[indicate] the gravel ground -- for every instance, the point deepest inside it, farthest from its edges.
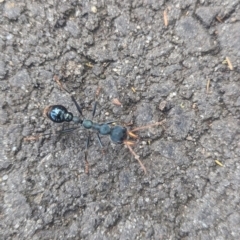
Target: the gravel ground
(173, 60)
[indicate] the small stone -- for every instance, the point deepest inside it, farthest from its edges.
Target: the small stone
(188, 28)
(207, 14)
(3, 116)
(73, 28)
(94, 9)
(21, 79)
(189, 138)
(162, 105)
(12, 11)
(5, 177)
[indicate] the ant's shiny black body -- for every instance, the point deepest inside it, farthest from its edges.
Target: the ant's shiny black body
(59, 114)
(118, 134)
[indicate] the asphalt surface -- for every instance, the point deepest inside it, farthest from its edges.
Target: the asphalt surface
(144, 62)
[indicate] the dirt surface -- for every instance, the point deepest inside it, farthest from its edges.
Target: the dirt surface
(184, 69)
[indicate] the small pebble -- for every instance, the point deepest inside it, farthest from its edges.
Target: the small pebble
(162, 105)
(5, 177)
(94, 9)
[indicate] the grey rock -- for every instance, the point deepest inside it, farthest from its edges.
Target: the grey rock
(12, 10)
(194, 36)
(73, 28)
(207, 14)
(229, 37)
(21, 79)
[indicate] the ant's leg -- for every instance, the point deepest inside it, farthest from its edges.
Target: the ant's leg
(99, 140)
(100, 143)
(148, 126)
(37, 137)
(68, 130)
(128, 144)
(93, 115)
(56, 78)
(96, 102)
(86, 154)
(110, 122)
(77, 105)
(94, 109)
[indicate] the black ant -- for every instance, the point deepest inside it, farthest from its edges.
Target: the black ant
(117, 134)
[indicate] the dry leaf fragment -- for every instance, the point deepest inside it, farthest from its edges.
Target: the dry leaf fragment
(89, 65)
(31, 138)
(115, 101)
(219, 19)
(98, 91)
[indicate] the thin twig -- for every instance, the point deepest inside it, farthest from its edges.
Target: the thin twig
(218, 163)
(115, 101)
(229, 63)
(165, 18)
(208, 85)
